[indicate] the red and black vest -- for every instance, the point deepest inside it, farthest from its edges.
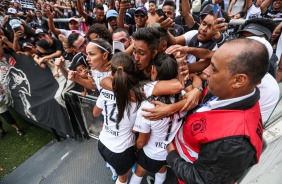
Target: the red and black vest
(204, 127)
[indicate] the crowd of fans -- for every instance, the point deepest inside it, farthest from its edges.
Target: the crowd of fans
(151, 62)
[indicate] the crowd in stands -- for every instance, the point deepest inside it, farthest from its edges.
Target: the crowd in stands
(179, 85)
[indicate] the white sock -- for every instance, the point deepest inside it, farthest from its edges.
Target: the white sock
(135, 179)
(118, 182)
(160, 178)
(113, 170)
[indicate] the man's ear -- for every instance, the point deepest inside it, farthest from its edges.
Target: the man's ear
(239, 80)
(155, 53)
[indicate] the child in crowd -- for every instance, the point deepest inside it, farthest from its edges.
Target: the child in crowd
(79, 66)
(116, 141)
(28, 49)
(154, 136)
(5, 114)
(43, 48)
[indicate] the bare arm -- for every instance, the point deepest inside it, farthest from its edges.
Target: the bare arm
(72, 75)
(230, 7)
(5, 39)
(80, 10)
(16, 47)
(97, 111)
(51, 22)
(124, 5)
(4, 23)
(265, 5)
(279, 71)
(248, 4)
(189, 20)
(199, 66)
(197, 52)
(142, 140)
(59, 62)
(58, 53)
(167, 87)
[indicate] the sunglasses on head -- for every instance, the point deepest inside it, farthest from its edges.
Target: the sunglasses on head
(140, 15)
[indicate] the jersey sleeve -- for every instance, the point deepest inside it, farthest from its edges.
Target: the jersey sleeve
(142, 124)
(149, 87)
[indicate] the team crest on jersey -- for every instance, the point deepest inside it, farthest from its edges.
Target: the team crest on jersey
(198, 126)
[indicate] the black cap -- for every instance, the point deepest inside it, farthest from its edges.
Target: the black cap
(27, 45)
(44, 45)
(207, 9)
(257, 30)
(78, 59)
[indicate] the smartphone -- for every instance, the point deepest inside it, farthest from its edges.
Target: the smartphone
(160, 12)
(214, 9)
(16, 29)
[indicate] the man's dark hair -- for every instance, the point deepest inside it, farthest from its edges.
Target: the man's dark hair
(72, 38)
(253, 60)
(150, 36)
(153, 1)
(170, 3)
(101, 30)
(99, 7)
(268, 23)
(121, 30)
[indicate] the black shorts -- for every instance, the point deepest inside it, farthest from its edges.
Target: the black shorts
(149, 164)
(121, 162)
(8, 118)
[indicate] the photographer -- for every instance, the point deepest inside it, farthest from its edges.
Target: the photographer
(22, 33)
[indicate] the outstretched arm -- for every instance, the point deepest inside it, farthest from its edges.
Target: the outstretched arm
(188, 18)
(123, 6)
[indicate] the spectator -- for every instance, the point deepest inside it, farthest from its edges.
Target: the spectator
(140, 17)
(275, 11)
(30, 21)
(42, 22)
(11, 14)
(256, 9)
(152, 15)
(187, 20)
(208, 36)
(169, 9)
(117, 5)
(99, 31)
(22, 33)
(111, 17)
(122, 35)
(99, 15)
(55, 46)
(263, 28)
(77, 42)
(205, 143)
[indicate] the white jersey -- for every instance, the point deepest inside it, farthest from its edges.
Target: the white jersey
(188, 36)
(253, 12)
(162, 132)
(98, 76)
(116, 140)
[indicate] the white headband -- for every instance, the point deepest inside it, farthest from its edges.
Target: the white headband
(100, 47)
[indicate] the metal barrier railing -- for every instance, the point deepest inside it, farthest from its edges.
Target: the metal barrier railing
(92, 125)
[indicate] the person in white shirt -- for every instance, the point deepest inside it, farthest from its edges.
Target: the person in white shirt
(116, 144)
(154, 136)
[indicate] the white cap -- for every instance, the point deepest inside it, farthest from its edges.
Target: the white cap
(15, 23)
(12, 11)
